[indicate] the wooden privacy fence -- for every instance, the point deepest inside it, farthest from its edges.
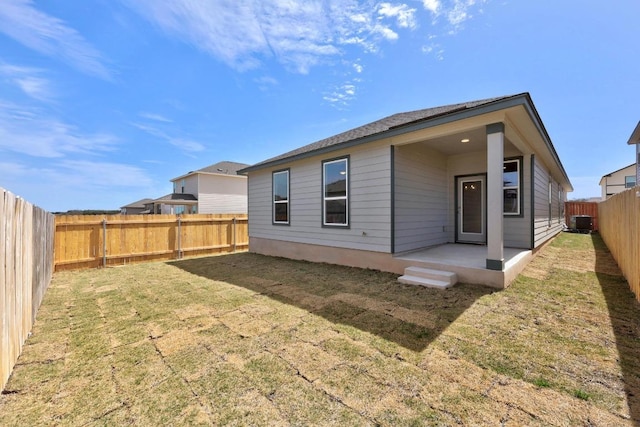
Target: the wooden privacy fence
(26, 267)
(581, 208)
(90, 241)
(620, 229)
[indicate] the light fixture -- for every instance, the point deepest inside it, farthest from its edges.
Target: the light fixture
(464, 140)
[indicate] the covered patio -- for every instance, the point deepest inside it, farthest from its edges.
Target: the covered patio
(468, 262)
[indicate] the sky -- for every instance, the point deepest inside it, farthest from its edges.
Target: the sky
(103, 102)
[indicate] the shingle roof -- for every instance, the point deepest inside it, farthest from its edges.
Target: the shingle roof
(176, 196)
(139, 204)
(229, 168)
(383, 125)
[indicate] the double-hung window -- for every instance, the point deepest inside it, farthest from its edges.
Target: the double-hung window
(511, 187)
(629, 181)
(335, 192)
(281, 197)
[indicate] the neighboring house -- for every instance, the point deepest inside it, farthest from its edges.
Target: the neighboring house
(618, 181)
(135, 208)
(635, 139)
(173, 204)
(215, 189)
(483, 173)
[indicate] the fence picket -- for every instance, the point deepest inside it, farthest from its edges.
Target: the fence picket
(620, 229)
(26, 267)
(139, 238)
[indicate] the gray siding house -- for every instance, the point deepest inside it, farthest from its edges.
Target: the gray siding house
(471, 188)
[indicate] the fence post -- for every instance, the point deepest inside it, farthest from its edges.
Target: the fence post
(104, 242)
(235, 226)
(179, 239)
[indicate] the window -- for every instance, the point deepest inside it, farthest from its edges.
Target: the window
(281, 197)
(629, 181)
(335, 192)
(182, 183)
(511, 187)
(550, 199)
(560, 204)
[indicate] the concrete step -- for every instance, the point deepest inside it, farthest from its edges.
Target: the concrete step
(427, 273)
(421, 281)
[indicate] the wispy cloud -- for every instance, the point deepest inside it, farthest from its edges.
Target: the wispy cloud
(405, 15)
(28, 80)
(31, 132)
(455, 12)
(341, 96)
(99, 174)
(164, 135)
(22, 21)
(155, 117)
(83, 184)
(298, 33)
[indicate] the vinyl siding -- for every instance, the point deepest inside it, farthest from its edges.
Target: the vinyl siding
(421, 199)
(222, 194)
(369, 202)
(545, 226)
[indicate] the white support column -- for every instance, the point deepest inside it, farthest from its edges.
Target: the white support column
(495, 198)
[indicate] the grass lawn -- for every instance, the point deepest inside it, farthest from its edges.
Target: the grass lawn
(250, 340)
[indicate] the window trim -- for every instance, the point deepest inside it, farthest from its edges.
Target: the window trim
(626, 183)
(273, 197)
(520, 203)
(347, 197)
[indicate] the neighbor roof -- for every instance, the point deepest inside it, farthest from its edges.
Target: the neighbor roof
(220, 168)
(380, 128)
(635, 136)
(616, 171)
(176, 196)
(229, 168)
(139, 204)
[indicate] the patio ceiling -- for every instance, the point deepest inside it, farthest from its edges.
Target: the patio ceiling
(452, 144)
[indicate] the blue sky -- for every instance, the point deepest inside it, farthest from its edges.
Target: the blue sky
(102, 102)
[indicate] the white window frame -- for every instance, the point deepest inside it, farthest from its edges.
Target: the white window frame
(277, 202)
(518, 187)
(629, 178)
(326, 199)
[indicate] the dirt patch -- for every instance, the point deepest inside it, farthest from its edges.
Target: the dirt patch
(252, 340)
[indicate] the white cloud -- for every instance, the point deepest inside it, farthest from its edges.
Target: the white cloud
(358, 67)
(340, 96)
(28, 80)
(31, 132)
(155, 117)
(20, 20)
(179, 142)
(404, 14)
(454, 11)
(432, 5)
(434, 49)
(98, 174)
(298, 33)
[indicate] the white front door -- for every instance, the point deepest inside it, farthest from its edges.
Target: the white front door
(471, 209)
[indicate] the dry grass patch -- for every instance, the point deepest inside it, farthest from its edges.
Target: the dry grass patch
(251, 340)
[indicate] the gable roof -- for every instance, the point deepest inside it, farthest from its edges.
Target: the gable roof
(225, 167)
(635, 136)
(379, 129)
(220, 168)
(616, 171)
(139, 204)
(176, 196)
